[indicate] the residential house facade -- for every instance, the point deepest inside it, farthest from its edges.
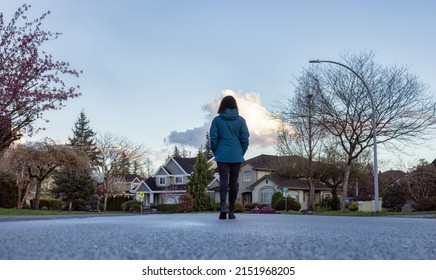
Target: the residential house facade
(168, 183)
(258, 180)
(260, 177)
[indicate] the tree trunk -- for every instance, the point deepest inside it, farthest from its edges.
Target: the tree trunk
(311, 206)
(70, 206)
(105, 202)
(23, 195)
(37, 194)
(345, 185)
(20, 195)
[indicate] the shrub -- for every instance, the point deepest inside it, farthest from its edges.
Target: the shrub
(394, 197)
(330, 203)
(186, 203)
(251, 206)
(276, 197)
(216, 206)
(354, 206)
(169, 208)
(238, 207)
(268, 209)
(292, 204)
(114, 202)
(8, 190)
(131, 206)
(426, 204)
(50, 204)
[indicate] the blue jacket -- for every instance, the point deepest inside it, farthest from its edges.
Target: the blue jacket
(229, 136)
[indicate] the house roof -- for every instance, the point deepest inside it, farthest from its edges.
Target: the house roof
(186, 163)
(271, 162)
(131, 177)
(290, 183)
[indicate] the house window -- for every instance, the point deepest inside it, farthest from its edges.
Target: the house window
(266, 195)
(162, 181)
(295, 195)
(247, 176)
(178, 180)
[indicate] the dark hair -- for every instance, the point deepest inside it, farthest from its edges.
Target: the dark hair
(228, 102)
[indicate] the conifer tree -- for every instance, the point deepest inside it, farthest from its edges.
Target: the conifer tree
(201, 177)
(176, 152)
(84, 139)
(207, 150)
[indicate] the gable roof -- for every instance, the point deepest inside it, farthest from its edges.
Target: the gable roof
(290, 183)
(271, 162)
(187, 164)
(131, 177)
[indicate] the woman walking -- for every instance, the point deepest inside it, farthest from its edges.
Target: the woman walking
(228, 141)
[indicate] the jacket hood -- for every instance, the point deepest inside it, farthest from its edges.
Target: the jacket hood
(229, 114)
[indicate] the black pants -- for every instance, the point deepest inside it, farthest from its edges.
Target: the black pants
(229, 173)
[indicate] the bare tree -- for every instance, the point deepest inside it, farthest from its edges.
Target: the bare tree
(405, 107)
(299, 133)
(115, 150)
(421, 182)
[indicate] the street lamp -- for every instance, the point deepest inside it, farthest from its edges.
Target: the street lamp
(374, 127)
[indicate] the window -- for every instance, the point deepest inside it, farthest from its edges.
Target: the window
(162, 181)
(178, 180)
(295, 195)
(266, 195)
(247, 176)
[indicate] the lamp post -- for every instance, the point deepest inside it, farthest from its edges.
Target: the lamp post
(374, 127)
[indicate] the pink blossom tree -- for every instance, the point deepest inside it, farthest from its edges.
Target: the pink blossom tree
(30, 79)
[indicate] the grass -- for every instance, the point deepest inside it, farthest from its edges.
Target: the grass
(30, 212)
(432, 214)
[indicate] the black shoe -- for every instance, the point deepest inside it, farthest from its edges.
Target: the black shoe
(232, 216)
(223, 215)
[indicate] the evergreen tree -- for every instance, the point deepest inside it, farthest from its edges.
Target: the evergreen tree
(207, 150)
(84, 139)
(122, 165)
(76, 190)
(201, 177)
(176, 152)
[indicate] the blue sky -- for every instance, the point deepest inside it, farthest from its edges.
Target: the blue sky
(154, 70)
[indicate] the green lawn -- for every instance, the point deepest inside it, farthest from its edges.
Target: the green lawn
(21, 212)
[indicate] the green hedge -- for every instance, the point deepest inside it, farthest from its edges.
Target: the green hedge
(292, 204)
(114, 202)
(169, 208)
(239, 208)
(50, 204)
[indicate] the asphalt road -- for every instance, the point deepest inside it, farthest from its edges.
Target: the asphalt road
(205, 237)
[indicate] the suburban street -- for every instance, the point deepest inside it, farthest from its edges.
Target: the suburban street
(204, 237)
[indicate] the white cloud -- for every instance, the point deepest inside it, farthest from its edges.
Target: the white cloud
(262, 128)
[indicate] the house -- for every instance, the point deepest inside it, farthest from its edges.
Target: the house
(168, 182)
(132, 181)
(260, 177)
